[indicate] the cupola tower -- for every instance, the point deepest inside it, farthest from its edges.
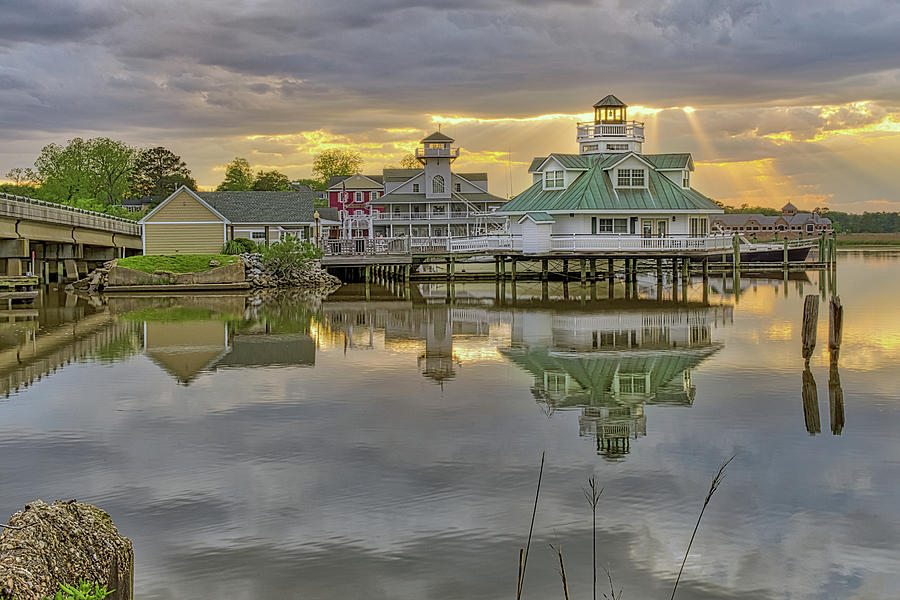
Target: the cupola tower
(610, 131)
(436, 154)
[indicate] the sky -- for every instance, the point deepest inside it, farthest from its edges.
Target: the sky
(777, 100)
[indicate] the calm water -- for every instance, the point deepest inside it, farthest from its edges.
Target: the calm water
(389, 447)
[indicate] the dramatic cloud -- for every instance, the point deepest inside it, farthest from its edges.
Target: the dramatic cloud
(769, 81)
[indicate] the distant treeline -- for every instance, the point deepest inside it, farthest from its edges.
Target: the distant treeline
(868, 222)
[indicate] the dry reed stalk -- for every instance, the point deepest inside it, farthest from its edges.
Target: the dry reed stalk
(562, 570)
(592, 495)
(537, 495)
(716, 482)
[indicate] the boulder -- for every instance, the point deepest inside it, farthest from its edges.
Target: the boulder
(64, 542)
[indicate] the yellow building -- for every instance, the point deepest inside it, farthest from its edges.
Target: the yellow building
(189, 222)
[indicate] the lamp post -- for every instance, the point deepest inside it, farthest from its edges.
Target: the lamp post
(316, 227)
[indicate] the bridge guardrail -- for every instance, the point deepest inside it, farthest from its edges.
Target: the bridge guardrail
(12, 205)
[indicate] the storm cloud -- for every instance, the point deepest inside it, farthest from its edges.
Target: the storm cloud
(204, 77)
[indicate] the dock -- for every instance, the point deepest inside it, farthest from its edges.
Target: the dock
(19, 289)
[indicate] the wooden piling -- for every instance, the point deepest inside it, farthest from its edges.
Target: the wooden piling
(544, 269)
(583, 272)
(512, 268)
(835, 398)
(811, 403)
(810, 321)
(565, 269)
(610, 271)
(835, 324)
(593, 264)
(736, 245)
(785, 254)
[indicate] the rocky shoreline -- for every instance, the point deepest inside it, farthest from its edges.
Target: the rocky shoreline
(308, 275)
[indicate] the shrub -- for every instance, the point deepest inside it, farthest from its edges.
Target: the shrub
(289, 255)
(239, 246)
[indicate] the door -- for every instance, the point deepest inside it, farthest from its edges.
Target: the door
(594, 225)
(647, 228)
(661, 227)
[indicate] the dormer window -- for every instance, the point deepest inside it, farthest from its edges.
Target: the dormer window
(415, 188)
(685, 179)
(633, 178)
(554, 180)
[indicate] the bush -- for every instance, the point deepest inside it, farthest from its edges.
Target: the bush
(289, 255)
(239, 246)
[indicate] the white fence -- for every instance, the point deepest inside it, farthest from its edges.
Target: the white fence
(486, 243)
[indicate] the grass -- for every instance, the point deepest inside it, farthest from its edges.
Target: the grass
(176, 263)
(868, 239)
(177, 314)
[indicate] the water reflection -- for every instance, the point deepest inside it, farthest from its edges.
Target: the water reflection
(612, 364)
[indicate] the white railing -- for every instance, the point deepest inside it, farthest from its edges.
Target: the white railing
(12, 205)
(365, 246)
(590, 130)
(433, 216)
(486, 243)
(437, 152)
(582, 242)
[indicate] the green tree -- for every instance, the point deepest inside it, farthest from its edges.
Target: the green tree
(23, 177)
(238, 176)
(313, 184)
(97, 168)
(336, 162)
(158, 172)
(271, 181)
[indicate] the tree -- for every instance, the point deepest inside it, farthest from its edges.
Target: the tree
(158, 172)
(112, 162)
(23, 177)
(409, 161)
(238, 176)
(313, 184)
(97, 168)
(336, 161)
(271, 181)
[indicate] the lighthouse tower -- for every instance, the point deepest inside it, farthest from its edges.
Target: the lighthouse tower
(436, 154)
(610, 131)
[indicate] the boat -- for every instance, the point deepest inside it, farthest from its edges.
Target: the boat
(769, 252)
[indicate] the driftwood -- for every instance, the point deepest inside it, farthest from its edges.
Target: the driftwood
(810, 322)
(811, 403)
(64, 542)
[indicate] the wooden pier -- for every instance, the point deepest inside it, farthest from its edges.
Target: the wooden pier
(19, 288)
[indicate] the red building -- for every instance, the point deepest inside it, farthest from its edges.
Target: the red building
(351, 195)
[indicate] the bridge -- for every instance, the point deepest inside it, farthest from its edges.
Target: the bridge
(59, 242)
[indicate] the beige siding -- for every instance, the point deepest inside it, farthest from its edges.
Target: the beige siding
(189, 238)
(184, 207)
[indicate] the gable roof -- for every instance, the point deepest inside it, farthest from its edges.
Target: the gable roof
(437, 136)
(174, 194)
(609, 100)
(671, 162)
(335, 180)
(395, 175)
(538, 217)
(574, 162)
(788, 206)
(593, 191)
(263, 207)
(536, 163)
(472, 176)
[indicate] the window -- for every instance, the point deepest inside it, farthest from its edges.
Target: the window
(609, 226)
(415, 188)
(357, 196)
(631, 178)
(373, 196)
(809, 228)
(554, 179)
(258, 235)
(685, 179)
(617, 147)
(437, 185)
(700, 227)
(458, 187)
(620, 225)
(359, 212)
(589, 148)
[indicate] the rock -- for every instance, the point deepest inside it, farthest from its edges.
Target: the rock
(63, 542)
(214, 263)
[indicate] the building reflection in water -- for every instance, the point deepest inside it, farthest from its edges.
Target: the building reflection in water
(611, 364)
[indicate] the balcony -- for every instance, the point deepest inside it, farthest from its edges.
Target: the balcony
(590, 131)
(433, 216)
(437, 152)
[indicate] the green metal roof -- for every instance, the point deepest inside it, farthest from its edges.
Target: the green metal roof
(539, 217)
(535, 163)
(573, 161)
(680, 160)
(593, 190)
